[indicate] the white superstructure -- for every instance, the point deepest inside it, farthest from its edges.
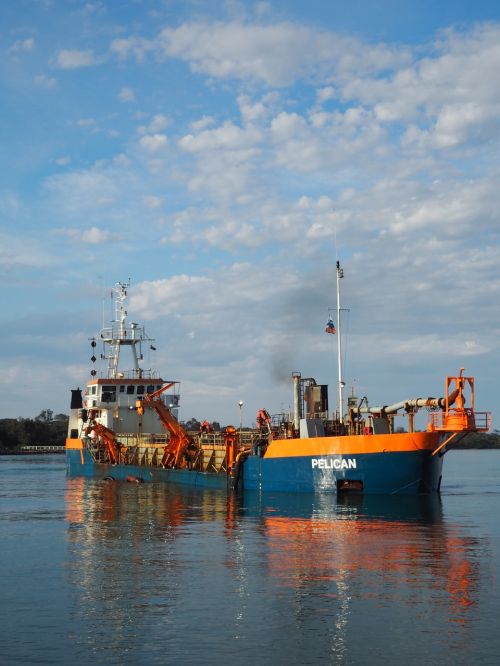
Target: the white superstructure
(112, 394)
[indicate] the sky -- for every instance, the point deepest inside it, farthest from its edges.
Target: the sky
(223, 156)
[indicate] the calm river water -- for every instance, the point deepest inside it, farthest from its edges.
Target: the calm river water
(111, 573)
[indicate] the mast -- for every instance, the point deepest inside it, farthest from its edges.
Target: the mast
(340, 274)
(116, 340)
(119, 335)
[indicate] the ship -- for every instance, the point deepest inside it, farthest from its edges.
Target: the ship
(124, 425)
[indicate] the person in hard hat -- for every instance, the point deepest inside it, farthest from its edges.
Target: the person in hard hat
(205, 427)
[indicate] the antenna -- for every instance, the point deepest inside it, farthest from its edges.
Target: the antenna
(340, 275)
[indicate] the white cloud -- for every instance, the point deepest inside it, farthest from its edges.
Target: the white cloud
(28, 379)
(23, 45)
(115, 193)
(447, 99)
(152, 201)
(253, 112)
(325, 94)
(276, 54)
(9, 202)
(91, 236)
(44, 81)
(227, 137)
(450, 98)
(125, 47)
(202, 123)
(327, 141)
(430, 345)
(225, 161)
(19, 252)
(94, 235)
(209, 295)
(126, 95)
(74, 59)
(154, 143)
(85, 122)
(288, 126)
(262, 9)
(76, 192)
(158, 123)
(93, 8)
(235, 50)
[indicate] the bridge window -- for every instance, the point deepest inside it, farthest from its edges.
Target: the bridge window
(122, 389)
(140, 390)
(108, 394)
(130, 390)
(150, 389)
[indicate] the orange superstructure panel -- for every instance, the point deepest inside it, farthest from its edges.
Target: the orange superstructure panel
(351, 444)
(124, 380)
(74, 443)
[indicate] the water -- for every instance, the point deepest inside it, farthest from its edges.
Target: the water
(111, 573)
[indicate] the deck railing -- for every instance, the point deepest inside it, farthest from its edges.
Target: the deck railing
(43, 449)
(460, 421)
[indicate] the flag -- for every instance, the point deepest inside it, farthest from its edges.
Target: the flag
(330, 326)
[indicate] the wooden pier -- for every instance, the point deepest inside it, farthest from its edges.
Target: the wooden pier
(33, 451)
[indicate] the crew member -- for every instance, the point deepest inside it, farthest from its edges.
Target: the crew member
(205, 427)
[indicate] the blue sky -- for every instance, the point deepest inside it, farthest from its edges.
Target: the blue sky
(222, 155)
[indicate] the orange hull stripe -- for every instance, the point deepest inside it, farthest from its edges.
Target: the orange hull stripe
(351, 444)
(74, 443)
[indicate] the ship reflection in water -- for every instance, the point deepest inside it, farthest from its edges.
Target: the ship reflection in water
(205, 576)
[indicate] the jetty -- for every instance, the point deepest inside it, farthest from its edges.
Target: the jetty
(33, 450)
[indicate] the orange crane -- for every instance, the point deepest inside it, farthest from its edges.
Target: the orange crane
(108, 437)
(180, 442)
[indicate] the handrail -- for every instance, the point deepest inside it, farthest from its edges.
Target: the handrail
(43, 447)
(466, 420)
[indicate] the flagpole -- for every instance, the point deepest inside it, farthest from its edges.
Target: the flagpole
(340, 274)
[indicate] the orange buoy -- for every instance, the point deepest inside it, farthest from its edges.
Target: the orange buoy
(134, 479)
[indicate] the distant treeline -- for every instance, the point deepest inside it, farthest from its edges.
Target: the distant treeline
(46, 429)
(480, 440)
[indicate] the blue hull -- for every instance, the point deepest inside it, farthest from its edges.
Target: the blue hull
(402, 473)
(147, 474)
